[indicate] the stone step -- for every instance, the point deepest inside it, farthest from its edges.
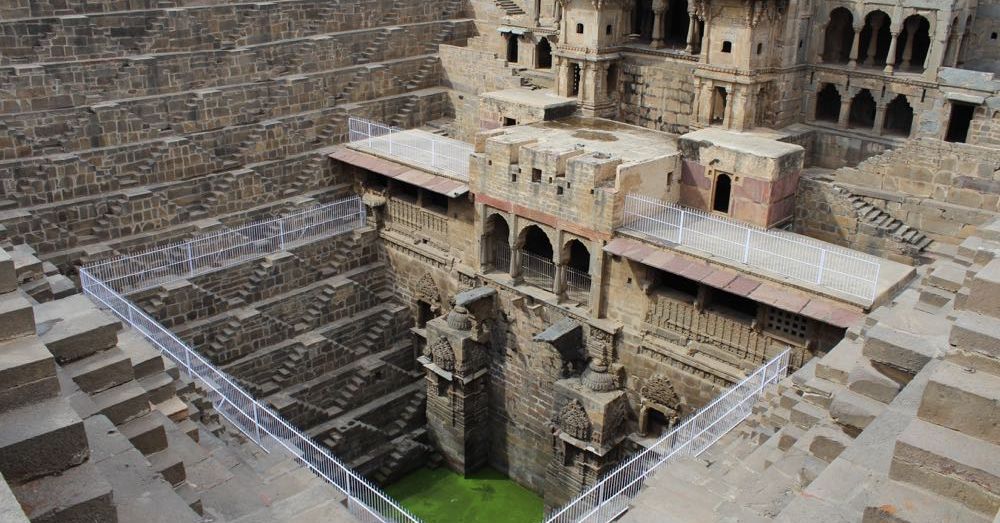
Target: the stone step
(866, 380)
(984, 292)
(854, 411)
(949, 463)
(80, 336)
(897, 502)
(146, 360)
(10, 509)
(146, 433)
(976, 340)
(27, 373)
(964, 401)
(122, 403)
(836, 365)
(8, 275)
(78, 494)
(170, 465)
(899, 349)
(159, 387)
(100, 371)
(41, 439)
(17, 317)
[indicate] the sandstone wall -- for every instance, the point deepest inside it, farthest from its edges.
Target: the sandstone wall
(657, 94)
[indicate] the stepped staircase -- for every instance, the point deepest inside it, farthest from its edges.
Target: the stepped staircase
(509, 7)
(880, 220)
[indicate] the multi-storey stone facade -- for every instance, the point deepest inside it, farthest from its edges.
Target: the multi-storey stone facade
(644, 194)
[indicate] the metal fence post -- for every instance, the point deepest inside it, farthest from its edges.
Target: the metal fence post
(822, 261)
(369, 134)
(680, 229)
(433, 153)
(281, 233)
(190, 259)
(746, 248)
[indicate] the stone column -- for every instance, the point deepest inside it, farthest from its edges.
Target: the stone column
(873, 40)
(596, 279)
(819, 48)
(908, 48)
(890, 58)
(879, 118)
(854, 47)
(692, 29)
(845, 110)
(537, 11)
(562, 75)
(559, 282)
(659, 11)
(954, 42)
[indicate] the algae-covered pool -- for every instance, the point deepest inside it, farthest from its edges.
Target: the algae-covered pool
(443, 496)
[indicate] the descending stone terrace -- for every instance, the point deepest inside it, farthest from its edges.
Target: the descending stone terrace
(124, 118)
(896, 424)
(317, 333)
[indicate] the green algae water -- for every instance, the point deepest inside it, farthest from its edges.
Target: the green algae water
(443, 496)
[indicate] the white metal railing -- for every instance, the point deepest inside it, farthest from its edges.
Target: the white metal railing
(577, 285)
(256, 421)
(135, 272)
(783, 254)
(423, 149)
(537, 271)
(610, 496)
(499, 254)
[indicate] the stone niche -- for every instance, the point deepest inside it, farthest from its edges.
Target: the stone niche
(589, 428)
(744, 176)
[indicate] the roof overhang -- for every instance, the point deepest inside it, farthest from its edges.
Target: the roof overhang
(404, 173)
(741, 284)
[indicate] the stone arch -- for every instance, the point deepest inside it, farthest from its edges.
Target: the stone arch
(576, 255)
(873, 46)
(722, 195)
(574, 421)
(839, 36)
(443, 355)
(898, 116)
(862, 112)
(427, 290)
(543, 54)
(828, 104)
(535, 240)
(660, 390)
(913, 44)
(496, 242)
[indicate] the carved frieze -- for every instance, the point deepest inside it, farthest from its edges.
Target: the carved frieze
(574, 421)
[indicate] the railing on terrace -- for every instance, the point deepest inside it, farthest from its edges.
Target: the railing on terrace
(610, 496)
(577, 285)
(136, 272)
(414, 217)
(499, 256)
(537, 271)
(257, 421)
(783, 254)
(419, 148)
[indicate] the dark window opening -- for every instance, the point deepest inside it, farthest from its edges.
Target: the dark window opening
(559, 190)
(507, 122)
(579, 29)
(733, 305)
(536, 175)
(911, 55)
(675, 286)
(574, 84)
(839, 37)
(723, 187)
(442, 388)
(424, 313)
(873, 47)
(718, 105)
(513, 176)
(642, 20)
(376, 181)
(786, 324)
(958, 123)
(727, 47)
(760, 48)
(612, 78)
(537, 243)
(404, 191)
(511, 48)
(828, 104)
(862, 113)
(607, 30)
(579, 256)
(993, 35)
(543, 52)
(676, 23)
(656, 423)
(433, 201)
(898, 116)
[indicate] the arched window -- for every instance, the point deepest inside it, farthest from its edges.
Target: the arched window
(496, 243)
(511, 48)
(913, 44)
(875, 39)
(723, 190)
(718, 105)
(898, 116)
(543, 54)
(862, 113)
(828, 104)
(537, 267)
(576, 256)
(676, 24)
(839, 37)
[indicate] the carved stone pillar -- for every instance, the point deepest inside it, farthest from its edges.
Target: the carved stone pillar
(692, 29)
(879, 118)
(873, 40)
(845, 110)
(911, 31)
(659, 11)
(854, 48)
(890, 59)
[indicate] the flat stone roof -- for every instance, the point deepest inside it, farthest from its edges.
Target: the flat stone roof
(594, 135)
(542, 98)
(402, 172)
(750, 143)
